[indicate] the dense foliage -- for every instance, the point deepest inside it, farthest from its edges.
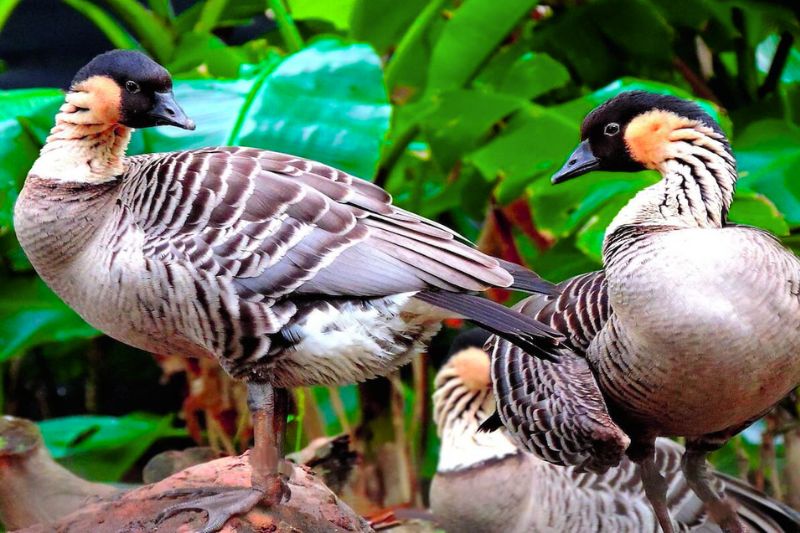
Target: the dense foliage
(462, 109)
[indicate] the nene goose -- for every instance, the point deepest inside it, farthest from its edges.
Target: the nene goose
(691, 329)
(521, 493)
(288, 271)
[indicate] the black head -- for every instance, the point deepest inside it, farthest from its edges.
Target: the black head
(139, 88)
(604, 143)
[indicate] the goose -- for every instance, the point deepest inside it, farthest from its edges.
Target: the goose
(692, 327)
(285, 270)
(519, 492)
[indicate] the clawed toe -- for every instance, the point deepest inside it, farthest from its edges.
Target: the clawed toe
(221, 503)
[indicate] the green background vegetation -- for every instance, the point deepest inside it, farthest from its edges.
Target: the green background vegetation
(462, 110)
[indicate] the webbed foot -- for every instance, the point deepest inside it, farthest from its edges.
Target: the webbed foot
(221, 504)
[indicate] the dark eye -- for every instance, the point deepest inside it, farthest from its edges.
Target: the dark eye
(611, 129)
(132, 86)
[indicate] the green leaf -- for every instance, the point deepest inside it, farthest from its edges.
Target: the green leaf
(326, 102)
(755, 209)
(641, 33)
(288, 30)
(196, 49)
(532, 75)
(337, 12)
(457, 119)
(564, 209)
(475, 30)
(382, 23)
(104, 448)
(18, 148)
(535, 143)
(412, 50)
(214, 105)
(153, 33)
(562, 261)
(209, 15)
(162, 8)
(768, 156)
(587, 54)
(31, 315)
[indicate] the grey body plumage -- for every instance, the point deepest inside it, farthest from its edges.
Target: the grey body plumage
(247, 255)
(691, 329)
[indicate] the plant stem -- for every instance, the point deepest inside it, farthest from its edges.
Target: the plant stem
(289, 32)
(403, 52)
(778, 64)
(209, 16)
(261, 77)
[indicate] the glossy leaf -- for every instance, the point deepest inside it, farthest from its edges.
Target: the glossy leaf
(18, 146)
(382, 23)
(31, 315)
(476, 29)
(532, 75)
(195, 49)
(214, 105)
(153, 33)
(768, 154)
(327, 103)
(534, 143)
(456, 120)
(641, 32)
(104, 448)
(755, 209)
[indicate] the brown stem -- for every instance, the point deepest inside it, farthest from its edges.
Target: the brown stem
(696, 82)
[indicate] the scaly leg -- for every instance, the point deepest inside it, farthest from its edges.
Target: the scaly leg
(268, 408)
(695, 470)
(655, 488)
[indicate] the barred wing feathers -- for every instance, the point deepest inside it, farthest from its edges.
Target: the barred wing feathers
(277, 220)
(554, 408)
(275, 228)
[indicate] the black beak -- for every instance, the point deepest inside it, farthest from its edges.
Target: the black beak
(580, 162)
(167, 112)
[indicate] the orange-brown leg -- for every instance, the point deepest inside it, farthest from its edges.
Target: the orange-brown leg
(268, 408)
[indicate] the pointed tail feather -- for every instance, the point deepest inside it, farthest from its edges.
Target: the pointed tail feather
(762, 513)
(526, 280)
(529, 334)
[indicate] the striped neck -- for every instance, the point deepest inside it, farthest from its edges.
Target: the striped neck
(82, 147)
(458, 411)
(696, 190)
